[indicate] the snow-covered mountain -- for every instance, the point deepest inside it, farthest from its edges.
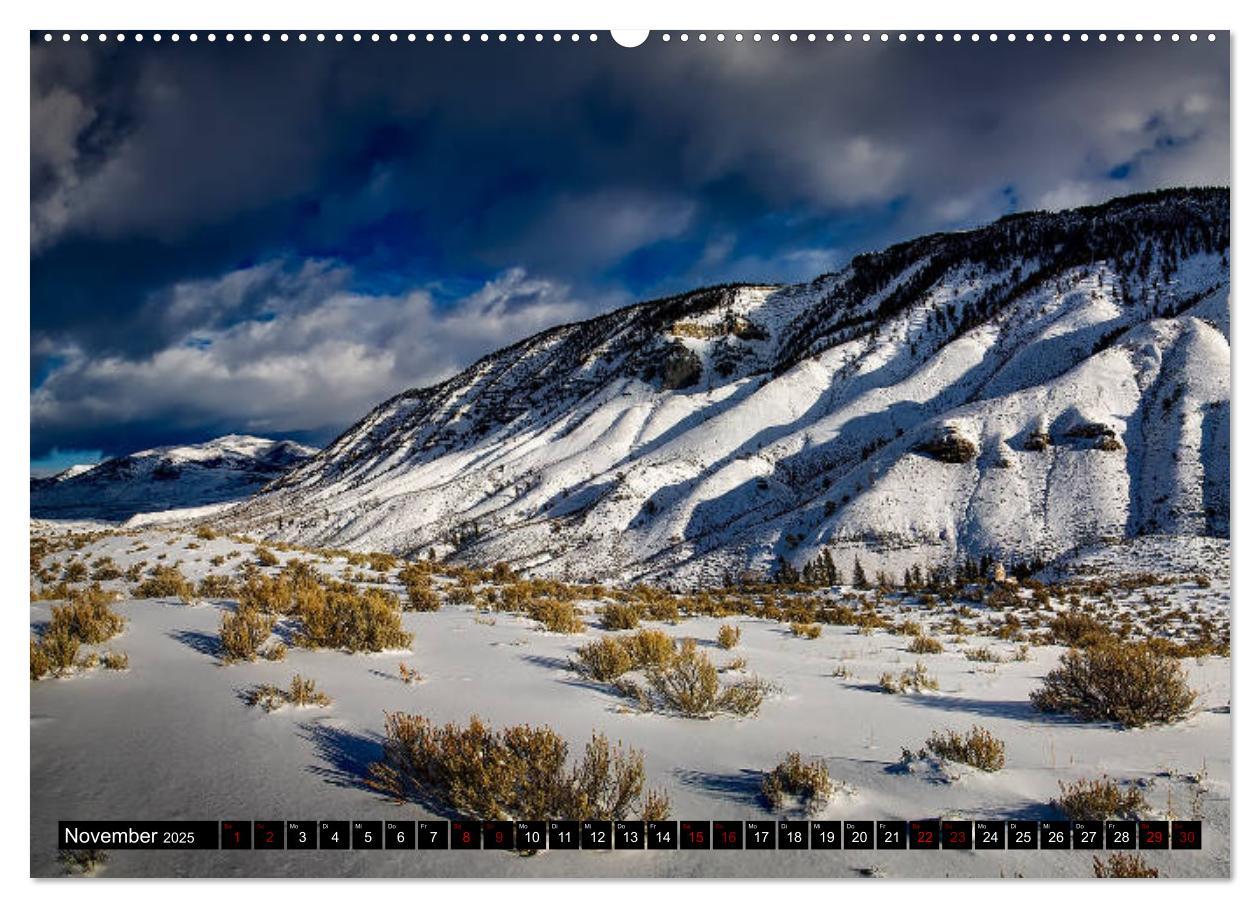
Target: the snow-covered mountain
(1048, 381)
(160, 479)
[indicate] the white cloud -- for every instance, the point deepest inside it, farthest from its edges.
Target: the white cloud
(603, 226)
(319, 355)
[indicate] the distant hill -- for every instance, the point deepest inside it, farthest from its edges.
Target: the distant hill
(161, 479)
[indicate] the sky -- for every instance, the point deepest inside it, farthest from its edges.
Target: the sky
(273, 238)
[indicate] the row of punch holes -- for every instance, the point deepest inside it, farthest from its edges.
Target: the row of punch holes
(538, 37)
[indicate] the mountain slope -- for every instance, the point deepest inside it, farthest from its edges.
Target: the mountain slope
(182, 476)
(1050, 380)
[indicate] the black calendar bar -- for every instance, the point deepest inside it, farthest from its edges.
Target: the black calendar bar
(632, 835)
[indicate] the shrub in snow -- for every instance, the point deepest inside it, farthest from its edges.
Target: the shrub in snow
(422, 598)
(87, 617)
(605, 659)
(620, 617)
(165, 582)
(417, 581)
(1076, 628)
(610, 657)
(1122, 865)
(649, 648)
(520, 772)
(1100, 799)
(925, 645)
(75, 572)
(302, 692)
(270, 595)
(914, 679)
(242, 632)
(41, 664)
(1129, 683)
(978, 748)
(807, 783)
(728, 636)
(82, 860)
(556, 616)
(689, 686)
(344, 617)
(217, 586)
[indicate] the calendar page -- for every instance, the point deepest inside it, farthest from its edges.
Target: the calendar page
(709, 453)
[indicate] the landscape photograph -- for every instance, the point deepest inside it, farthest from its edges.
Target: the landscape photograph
(736, 427)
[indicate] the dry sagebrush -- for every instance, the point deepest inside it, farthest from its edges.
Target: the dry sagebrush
(165, 582)
(242, 633)
(1124, 866)
(1100, 799)
(1115, 681)
(978, 747)
(689, 685)
(520, 772)
(807, 783)
(344, 617)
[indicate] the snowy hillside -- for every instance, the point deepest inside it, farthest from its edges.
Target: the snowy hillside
(161, 479)
(1042, 383)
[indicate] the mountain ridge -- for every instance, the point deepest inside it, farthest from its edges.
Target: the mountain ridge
(715, 431)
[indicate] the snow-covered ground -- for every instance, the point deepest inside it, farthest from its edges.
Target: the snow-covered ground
(171, 737)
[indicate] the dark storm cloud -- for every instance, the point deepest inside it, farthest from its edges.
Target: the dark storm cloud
(193, 205)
